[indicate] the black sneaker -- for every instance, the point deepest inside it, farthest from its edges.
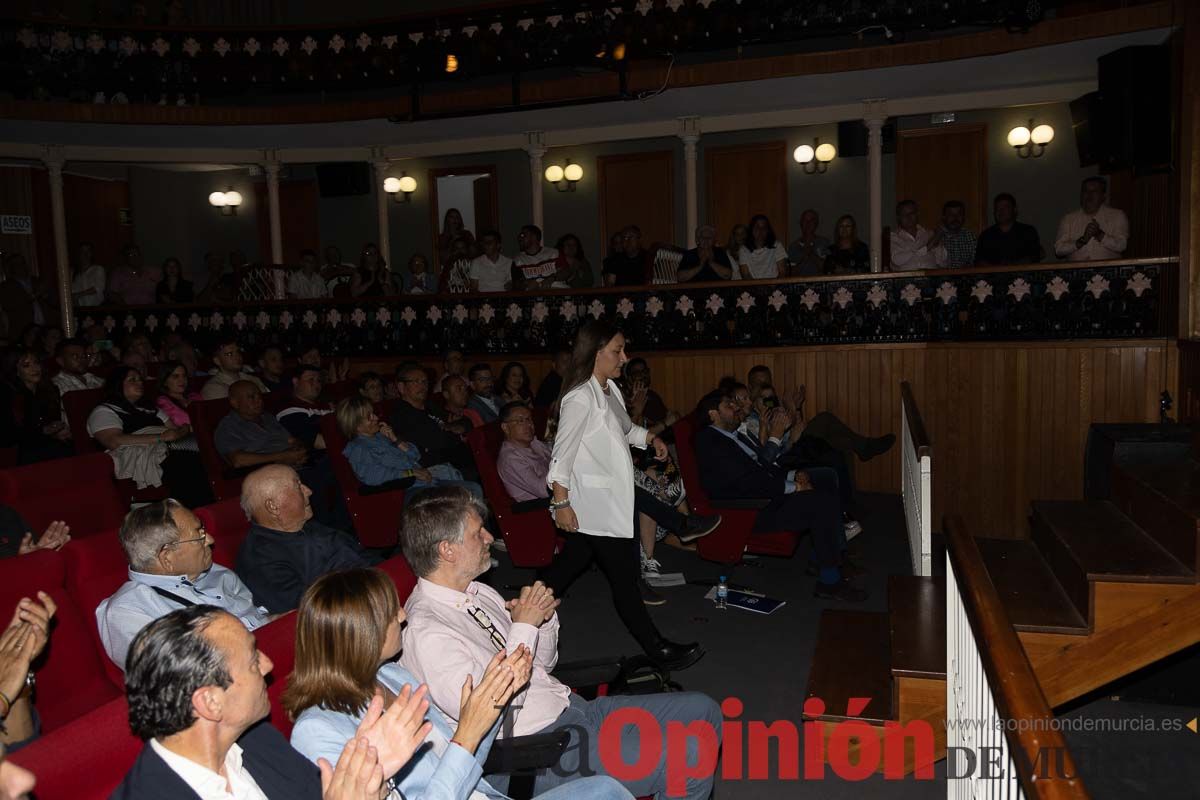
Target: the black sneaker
(699, 526)
(649, 596)
(842, 590)
(877, 447)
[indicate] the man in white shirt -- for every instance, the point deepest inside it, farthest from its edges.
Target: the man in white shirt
(456, 625)
(535, 267)
(71, 356)
(914, 247)
(306, 283)
(491, 271)
(1094, 232)
(196, 688)
(170, 567)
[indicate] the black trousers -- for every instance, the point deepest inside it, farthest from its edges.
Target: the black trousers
(817, 510)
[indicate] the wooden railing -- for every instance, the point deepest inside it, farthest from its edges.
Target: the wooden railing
(916, 482)
(1001, 737)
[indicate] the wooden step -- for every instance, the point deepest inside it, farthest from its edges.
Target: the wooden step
(1164, 500)
(1028, 589)
(917, 620)
(851, 660)
(1091, 540)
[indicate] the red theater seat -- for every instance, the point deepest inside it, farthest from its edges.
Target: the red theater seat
(735, 536)
(78, 405)
(227, 524)
(84, 759)
(96, 568)
(376, 516)
(278, 640)
(78, 490)
(530, 535)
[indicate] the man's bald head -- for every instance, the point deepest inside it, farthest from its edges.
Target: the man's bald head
(246, 399)
(274, 497)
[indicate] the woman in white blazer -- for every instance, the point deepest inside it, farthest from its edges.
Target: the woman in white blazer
(591, 479)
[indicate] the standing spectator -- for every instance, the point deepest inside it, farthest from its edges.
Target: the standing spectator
(514, 384)
(705, 262)
(958, 242)
(808, 253)
(87, 286)
(482, 399)
(455, 277)
(535, 267)
(173, 288)
(578, 273)
(419, 279)
(628, 266)
(220, 286)
(1094, 232)
(132, 284)
(71, 355)
(849, 255)
(453, 228)
(1008, 241)
(227, 356)
(270, 364)
(174, 399)
(41, 433)
(762, 256)
(373, 278)
(491, 271)
(738, 235)
(307, 283)
(913, 247)
(23, 297)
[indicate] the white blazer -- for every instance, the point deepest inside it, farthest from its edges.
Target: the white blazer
(591, 458)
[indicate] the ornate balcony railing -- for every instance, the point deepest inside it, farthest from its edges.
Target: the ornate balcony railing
(1116, 299)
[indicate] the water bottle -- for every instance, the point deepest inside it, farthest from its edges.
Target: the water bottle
(722, 593)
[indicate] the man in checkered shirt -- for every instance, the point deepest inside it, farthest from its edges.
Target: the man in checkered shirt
(958, 241)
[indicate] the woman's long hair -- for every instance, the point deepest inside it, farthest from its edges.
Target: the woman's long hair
(590, 340)
(341, 626)
(114, 390)
(164, 372)
(509, 367)
(769, 242)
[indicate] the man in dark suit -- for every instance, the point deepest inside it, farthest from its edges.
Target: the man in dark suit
(731, 468)
(195, 683)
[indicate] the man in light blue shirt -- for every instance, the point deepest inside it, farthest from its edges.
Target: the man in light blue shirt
(170, 567)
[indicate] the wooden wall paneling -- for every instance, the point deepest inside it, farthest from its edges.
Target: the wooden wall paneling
(1187, 400)
(638, 189)
(93, 212)
(744, 180)
(949, 162)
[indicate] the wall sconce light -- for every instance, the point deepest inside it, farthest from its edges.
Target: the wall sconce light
(565, 177)
(401, 188)
(815, 157)
(1030, 142)
(227, 202)
(451, 62)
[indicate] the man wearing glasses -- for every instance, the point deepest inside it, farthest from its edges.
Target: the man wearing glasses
(227, 356)
(170, 567)
(413, 421)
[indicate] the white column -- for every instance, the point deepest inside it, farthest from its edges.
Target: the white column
(271, 168)
(689, 132)
(536, 147)
(58, 217)
(874, 120)
(381, 207)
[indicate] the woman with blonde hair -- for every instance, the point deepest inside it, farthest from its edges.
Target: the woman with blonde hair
(347, 640)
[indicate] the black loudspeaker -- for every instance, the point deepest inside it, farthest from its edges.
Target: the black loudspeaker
(1135, 108)
(343, 179)
(1092, 134)
(852, 138)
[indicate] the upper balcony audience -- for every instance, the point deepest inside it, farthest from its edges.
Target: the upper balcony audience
(578, 273)
(1095, 231)
(536, 266)
(1008, 241)
(914, 247)
(373, 277)
(286, 549)
(144, 443)
(706, 261)
(173, 288)
(307, 283)
(958, 241)
(762, 256)
(455, 275)
(348, 635)
(132, 283)
(89, 280)
(809, 251)
(848, 255)
(174, 397)
(491, 270)
(21, 643)
(197, 693)
(170, 566)
(453, 228)
(626, 267)
(738, 235)
(447, 546)
(230, 368)
(336, 272)
(419, 279)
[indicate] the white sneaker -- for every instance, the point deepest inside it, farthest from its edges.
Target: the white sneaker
(651, 568)
(853, 528)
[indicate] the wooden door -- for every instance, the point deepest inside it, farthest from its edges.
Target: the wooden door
(93, 213)
(744, 180)
(637, 189)
(298, 220)
(934, 165)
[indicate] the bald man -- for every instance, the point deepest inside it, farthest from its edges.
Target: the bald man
(286, 549)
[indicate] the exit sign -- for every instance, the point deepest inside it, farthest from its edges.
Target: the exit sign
(944, 118)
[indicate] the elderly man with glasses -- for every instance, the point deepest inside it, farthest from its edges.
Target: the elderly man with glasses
(413, 421)
(170, 567)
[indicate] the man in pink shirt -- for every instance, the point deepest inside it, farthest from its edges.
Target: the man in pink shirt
(131, 283)
(456, 625)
